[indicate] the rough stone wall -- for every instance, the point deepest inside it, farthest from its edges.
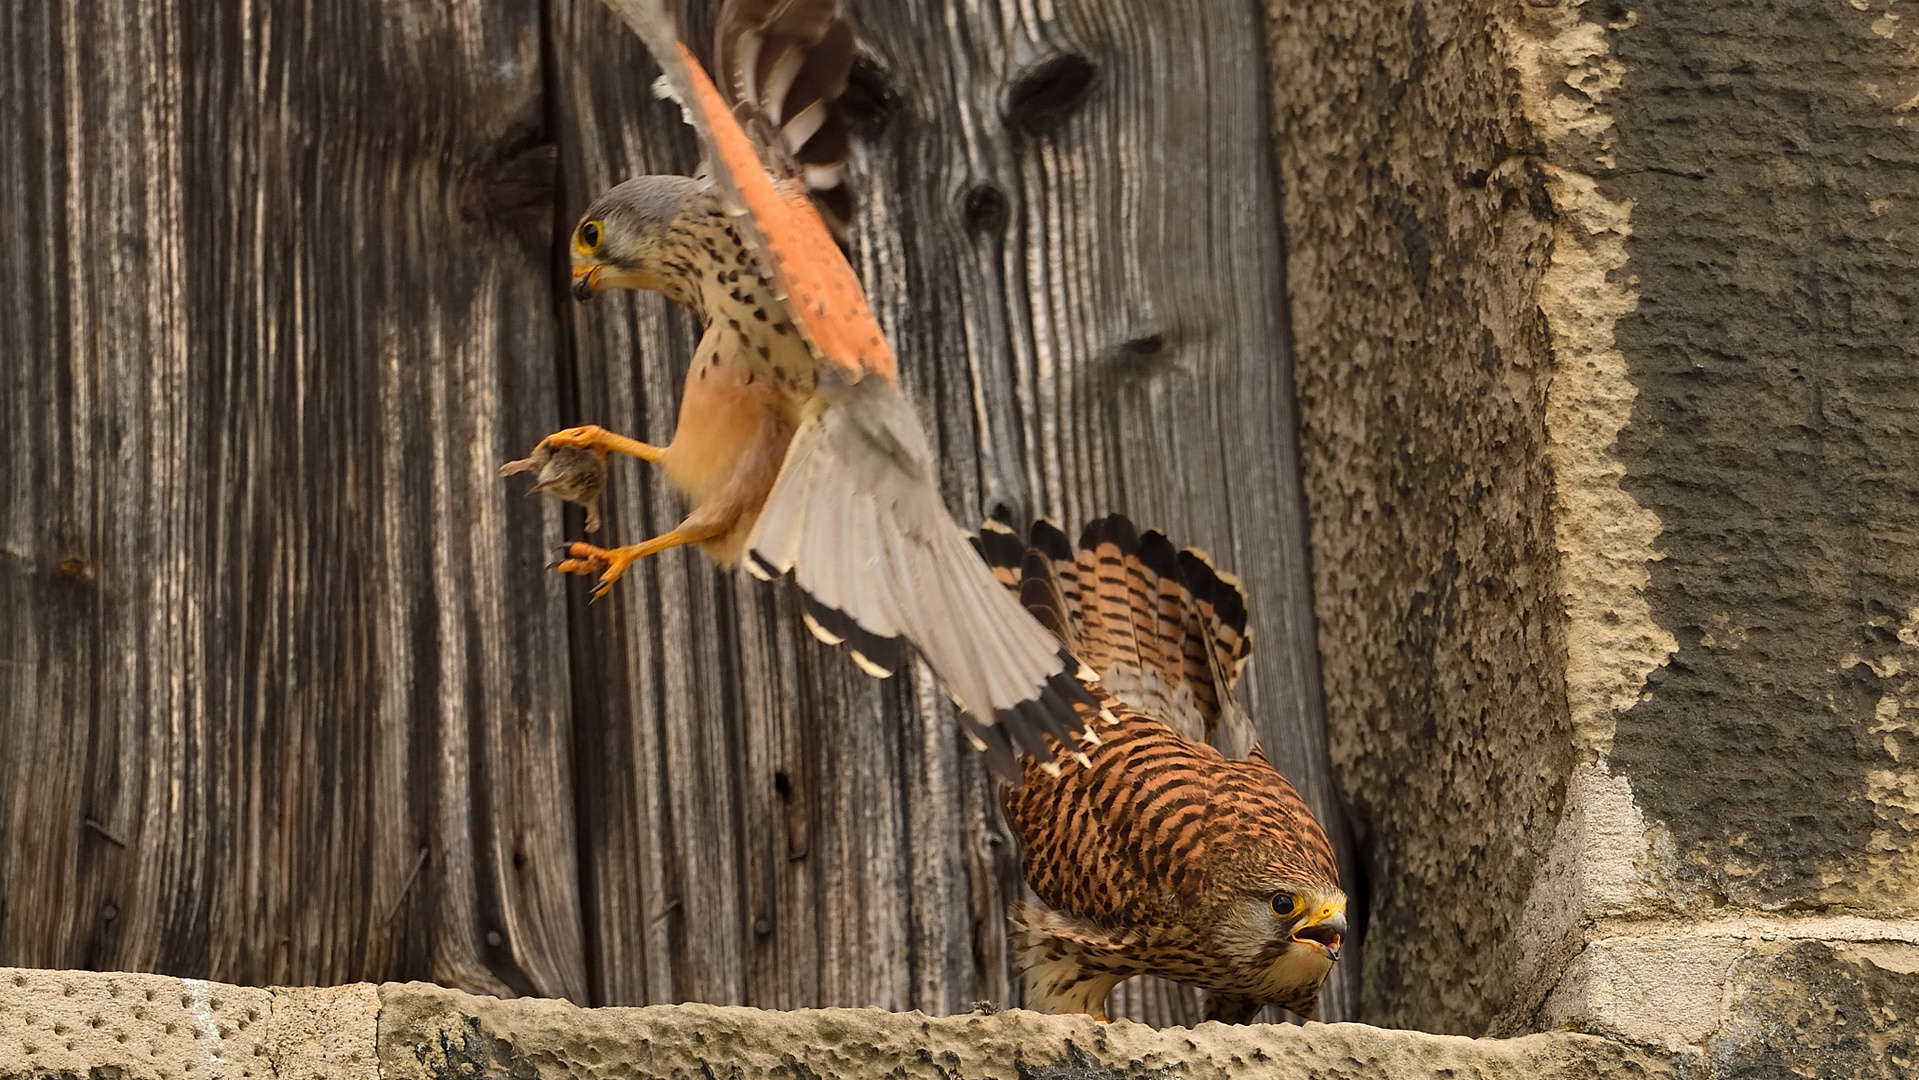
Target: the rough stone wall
(1417, 233)
(1748, 802)
(1751, 998)
(1776, 435)
(1700, 405)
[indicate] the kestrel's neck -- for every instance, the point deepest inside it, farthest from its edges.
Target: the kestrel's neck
(706, 265)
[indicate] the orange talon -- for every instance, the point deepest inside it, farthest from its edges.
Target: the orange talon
(602, 442)
(584, 558)
(609, 563)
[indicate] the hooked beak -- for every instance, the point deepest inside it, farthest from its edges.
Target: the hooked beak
(1326, 932)
(586, 281)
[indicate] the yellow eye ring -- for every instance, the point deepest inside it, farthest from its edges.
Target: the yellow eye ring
(591, 233)
(1286, 905)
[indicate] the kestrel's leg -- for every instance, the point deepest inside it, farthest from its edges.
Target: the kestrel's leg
(598, 439)
(611, 563)
(1062, 963)
(572, 465)
(720, 512)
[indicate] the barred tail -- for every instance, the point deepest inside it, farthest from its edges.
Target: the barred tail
(1165, 631)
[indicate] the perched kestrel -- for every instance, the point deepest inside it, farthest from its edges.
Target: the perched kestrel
(795, 446)
(1158, 855)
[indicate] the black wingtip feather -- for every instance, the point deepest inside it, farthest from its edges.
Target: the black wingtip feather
(1050, 541)
(1026, 722)
(1229, 601)
(1000, 548)
(830, 145)
(1071, 689)
(822, 76)
(1156, 553)
(997, 748)
(1057, 710)
(1115, 529)
(1059, 717)
(837, 205)
(1041, 601)
(878, 656)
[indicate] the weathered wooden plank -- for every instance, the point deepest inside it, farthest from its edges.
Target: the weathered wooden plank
(280, 633)
(1119, 305)
(1086, 296)
(272, 623)
(740, 851)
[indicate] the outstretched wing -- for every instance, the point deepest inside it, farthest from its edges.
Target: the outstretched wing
(855, 513)
(782, 66)
(1164, 630)
(825, 300)
(857, 518)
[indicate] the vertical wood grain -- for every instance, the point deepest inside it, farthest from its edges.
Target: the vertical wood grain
(282, 286)
(1111, 337)
(273, 624)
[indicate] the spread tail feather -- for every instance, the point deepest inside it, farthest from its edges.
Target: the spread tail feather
(1165, 631)
(856, 516)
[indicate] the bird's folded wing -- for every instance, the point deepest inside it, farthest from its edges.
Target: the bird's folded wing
(856, 516)
(823, 296)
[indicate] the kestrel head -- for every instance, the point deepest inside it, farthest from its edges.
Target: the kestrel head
(1282, 921)
(621, 241)
(1284, 932)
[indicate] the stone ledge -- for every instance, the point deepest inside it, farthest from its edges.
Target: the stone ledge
(152, 1027)
(1744, 991)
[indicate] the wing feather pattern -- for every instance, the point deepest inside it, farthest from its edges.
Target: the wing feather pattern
(857, 520)
(782, 66)
(1165, 631)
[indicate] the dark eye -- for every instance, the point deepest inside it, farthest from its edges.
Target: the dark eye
(589, 236)
(1285, 905)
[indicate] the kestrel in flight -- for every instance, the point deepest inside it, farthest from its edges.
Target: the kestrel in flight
(795, 447)
(1156, 854)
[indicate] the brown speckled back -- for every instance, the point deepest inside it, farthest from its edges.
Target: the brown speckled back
(1155, 824)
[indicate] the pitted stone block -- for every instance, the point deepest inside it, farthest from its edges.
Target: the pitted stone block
(325, 1032)
(430, 1033)
(131, 1027)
